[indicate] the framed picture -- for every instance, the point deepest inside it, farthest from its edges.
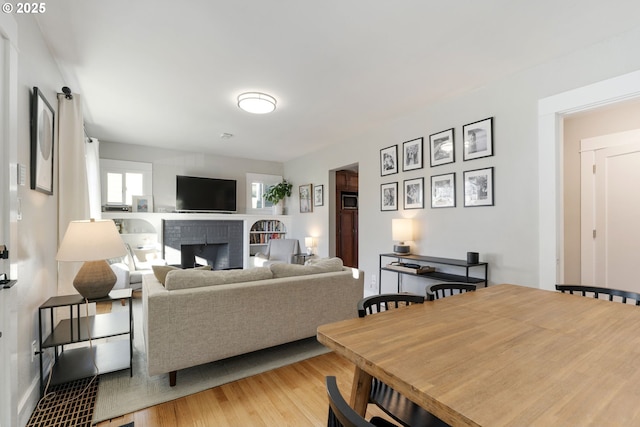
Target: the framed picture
(478, 139)
(413, 193)
(442, 148)
(318, 195)
(389, 160)
(304, 192)
(389, 196)
(478, 187)
(142, 203)
(443, 191)
(412, 154)
(42, 132)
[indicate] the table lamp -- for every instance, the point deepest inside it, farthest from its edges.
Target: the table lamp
(92, 242)
(308, 242)
(402, 231)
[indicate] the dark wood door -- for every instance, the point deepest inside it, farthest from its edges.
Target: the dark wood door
(346, 219)
(348, 237)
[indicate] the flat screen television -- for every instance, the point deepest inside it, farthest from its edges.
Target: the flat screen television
(197, 194)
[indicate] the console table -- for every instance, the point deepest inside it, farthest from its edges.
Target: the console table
(435, 275)
(85, 361)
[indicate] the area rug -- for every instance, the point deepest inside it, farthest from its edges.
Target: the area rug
(69, 404)
(119, 394)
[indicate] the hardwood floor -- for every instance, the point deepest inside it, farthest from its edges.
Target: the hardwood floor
(293, 395)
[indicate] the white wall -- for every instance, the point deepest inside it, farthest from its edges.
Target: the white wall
(37, 231)
(507, 234)
(169, 163)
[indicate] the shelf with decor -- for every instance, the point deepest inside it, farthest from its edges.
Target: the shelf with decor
(264, 230)
(429, 267)
(95, 350)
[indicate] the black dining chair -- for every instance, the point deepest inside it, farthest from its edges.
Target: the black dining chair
(384, 302)
(343, 415)
(442, 290)
(386, 398)
(595, 292)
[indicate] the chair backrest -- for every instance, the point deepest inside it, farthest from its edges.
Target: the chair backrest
(340, 413)
(595, 292)
(283, 249)
(383, 302)
(442, 290)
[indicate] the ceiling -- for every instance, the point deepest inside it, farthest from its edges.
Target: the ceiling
(167, 73)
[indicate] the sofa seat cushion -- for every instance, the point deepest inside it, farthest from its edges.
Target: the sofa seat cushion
(192, 278)
(324, 265)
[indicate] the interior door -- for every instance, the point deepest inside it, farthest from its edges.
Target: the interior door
(5, 367)
(611, 213)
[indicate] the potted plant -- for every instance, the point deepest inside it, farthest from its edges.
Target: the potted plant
(276, 194)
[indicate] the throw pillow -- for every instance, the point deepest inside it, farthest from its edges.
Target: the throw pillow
(160, 271)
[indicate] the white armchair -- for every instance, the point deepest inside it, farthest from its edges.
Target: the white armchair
(130, 269)
(278, 250)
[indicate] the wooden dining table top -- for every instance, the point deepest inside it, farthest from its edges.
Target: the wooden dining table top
(506, 355)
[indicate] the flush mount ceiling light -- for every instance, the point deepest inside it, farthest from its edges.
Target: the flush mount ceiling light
(256, 102)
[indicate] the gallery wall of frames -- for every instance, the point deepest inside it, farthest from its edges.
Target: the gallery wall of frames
(476, 185)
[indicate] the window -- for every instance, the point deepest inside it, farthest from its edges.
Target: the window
(123, 179)
(257, 184)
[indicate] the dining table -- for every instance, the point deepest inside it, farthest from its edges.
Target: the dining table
(505, 355)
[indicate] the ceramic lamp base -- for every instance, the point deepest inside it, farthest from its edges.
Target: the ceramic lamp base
(95, 279)
(401, 249)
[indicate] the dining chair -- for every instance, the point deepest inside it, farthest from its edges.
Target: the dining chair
(595, 292)
(382, 395)
(384, 302)
(343, 415)
(442, 290)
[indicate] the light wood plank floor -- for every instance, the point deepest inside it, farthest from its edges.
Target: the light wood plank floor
(293, 395)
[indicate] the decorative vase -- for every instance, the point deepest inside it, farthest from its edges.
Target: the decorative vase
(278, 208)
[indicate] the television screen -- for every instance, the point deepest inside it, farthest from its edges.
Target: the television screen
(205, 194)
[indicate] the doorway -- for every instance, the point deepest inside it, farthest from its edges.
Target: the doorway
(346, 208)
(610, 231)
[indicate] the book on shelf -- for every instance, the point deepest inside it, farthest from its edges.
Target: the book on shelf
(410, 268)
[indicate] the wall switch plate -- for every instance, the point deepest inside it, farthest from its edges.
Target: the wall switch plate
(34, 349)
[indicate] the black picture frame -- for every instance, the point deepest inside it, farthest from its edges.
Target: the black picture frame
(442, 147)
(414, 193)
(389, 196)
(412, 157)
(443, 190)
(42, 140)
(478, 139)
(478, 187)
(318, 195)
(389, 160)
(305, 193)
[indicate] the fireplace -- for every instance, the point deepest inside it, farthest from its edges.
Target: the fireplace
(218, 243)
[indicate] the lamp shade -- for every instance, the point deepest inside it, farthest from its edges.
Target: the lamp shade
(91, 241)
(308, 242)
(402, 229)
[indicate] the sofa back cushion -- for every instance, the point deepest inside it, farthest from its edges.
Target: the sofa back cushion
(192, 278)
(324, 265)
(160, 271)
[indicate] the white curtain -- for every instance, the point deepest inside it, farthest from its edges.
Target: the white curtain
(92, 151)
(73, 193)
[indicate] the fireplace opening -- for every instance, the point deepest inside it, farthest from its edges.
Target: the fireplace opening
(214, 254)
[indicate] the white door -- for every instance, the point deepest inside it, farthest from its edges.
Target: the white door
(5, 372)
(611, 211)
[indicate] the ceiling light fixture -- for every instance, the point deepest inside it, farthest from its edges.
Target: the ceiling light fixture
(256, 102)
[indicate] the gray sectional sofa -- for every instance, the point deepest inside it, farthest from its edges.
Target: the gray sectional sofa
(199, 316)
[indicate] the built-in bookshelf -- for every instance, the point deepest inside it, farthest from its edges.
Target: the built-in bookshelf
(264, 230)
